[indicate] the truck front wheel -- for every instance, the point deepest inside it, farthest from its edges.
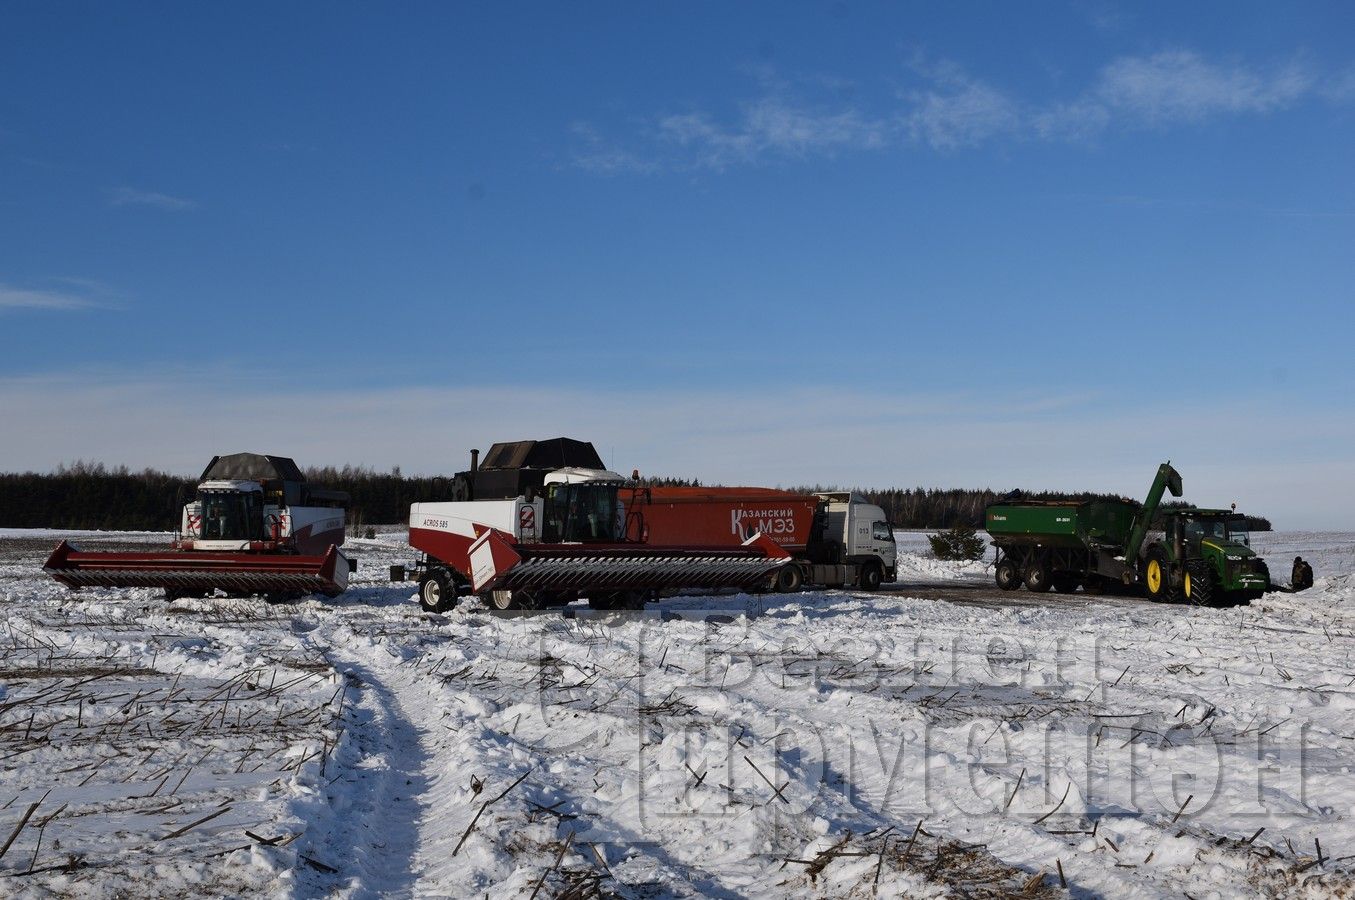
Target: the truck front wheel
(872, 575)
(789, 579)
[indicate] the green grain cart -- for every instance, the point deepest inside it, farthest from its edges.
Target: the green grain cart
(1102, 545)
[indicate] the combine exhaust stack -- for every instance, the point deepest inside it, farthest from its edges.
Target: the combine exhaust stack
(188, 574)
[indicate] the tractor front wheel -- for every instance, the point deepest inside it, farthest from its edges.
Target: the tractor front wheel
(1199, 584)
(1066, 584)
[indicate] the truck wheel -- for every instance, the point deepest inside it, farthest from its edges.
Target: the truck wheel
(1199, 584)
(436, 591)
(1157, 577)
(789, 579)
(1007, 576)
(1037, 576)
(872, 575)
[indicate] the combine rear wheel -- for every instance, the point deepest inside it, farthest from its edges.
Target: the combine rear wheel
(1007, 575)
(614, 600)
(1157, 577)
(436, 591)
(510, 600)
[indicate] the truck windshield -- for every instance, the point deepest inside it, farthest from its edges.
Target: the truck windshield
(881, 531)
(581, 513)
(229, 516)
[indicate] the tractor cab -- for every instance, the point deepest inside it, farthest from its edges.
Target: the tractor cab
(1199, 530)
(582, 507)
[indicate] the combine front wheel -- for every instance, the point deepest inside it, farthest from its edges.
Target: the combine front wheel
(789, 579)
(436, 591)
(509, 600)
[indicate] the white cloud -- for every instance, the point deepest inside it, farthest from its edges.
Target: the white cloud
(961, 112)
(126, 196)
(952, 110)
(23, 298)
(732, 436)
(1179, 85)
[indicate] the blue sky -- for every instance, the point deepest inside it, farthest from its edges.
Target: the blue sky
(960, 244)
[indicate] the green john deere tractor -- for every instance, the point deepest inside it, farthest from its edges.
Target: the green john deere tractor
(1204, 555)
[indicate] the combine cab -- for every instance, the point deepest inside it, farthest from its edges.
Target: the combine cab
(256, 527)
(543, 523)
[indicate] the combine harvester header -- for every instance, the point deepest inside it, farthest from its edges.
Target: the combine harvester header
(542, 523)
(256, 527)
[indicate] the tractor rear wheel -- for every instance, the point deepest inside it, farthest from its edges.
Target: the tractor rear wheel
(436, 591)
(1037, 575)
(1199, 584)
(1007, 575)
(1157, 577)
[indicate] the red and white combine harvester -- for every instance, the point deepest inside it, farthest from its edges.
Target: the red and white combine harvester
(543, 523)
(256, 528)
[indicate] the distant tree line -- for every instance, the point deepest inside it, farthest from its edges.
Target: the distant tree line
(91, 496)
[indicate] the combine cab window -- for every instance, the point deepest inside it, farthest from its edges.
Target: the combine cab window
(230, 516)
(581, 513)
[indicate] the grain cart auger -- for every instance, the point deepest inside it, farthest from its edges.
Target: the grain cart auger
(256, 527)
(542, 523)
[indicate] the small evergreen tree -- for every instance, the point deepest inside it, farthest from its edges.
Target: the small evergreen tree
(960, 543)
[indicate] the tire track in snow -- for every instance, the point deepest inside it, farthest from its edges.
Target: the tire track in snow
(374, 801)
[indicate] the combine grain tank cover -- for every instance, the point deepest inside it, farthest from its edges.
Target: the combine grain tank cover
(556, 453)
(251, 467)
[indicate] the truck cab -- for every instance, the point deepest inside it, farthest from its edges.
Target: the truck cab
(856, 533)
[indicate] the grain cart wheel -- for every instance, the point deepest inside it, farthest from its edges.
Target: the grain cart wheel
(1007, 575)
(872, 575)
(789, 579)
(1157, 577)
(436, 591)
(1199, 584)
(1065, 583)
(1037, 575)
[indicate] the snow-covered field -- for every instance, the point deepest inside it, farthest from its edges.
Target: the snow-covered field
(820, 744)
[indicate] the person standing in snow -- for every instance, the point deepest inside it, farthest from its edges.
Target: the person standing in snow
(1302, 577)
